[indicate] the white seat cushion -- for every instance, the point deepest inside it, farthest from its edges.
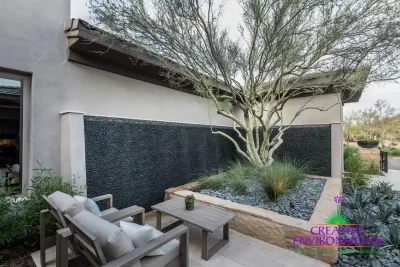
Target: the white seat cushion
(65, 203)
(171, 252)
(112, 239)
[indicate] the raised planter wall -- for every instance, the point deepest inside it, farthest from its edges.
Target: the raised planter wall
(371, 154)
(270, 226)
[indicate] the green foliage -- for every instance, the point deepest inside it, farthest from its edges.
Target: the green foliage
(20, 215)
(350, 151)
(365, 218)
(214, 182)
(359, 200)
(394, 152)
(358, 179)
(385, 188)
(392, 238)
(280, 177)
(374, 196)
(190, 199)
(358, 169)
(384, 212)
(276, 179)
(237, 175)
(397, 208)
(238, 185)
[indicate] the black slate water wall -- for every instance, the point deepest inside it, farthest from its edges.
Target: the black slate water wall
(136, 160)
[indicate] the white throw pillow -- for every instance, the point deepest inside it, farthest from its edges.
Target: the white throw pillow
(140, 235)
(65, 203)
(89, 205)
(113, 241)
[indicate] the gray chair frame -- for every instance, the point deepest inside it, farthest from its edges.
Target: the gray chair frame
(92, 253)
(46, 242)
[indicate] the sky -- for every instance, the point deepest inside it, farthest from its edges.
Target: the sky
(372, 92)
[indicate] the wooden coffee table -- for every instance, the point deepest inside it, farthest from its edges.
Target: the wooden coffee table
(206, 217)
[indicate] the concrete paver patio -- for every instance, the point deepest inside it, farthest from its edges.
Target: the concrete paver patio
(241, 251)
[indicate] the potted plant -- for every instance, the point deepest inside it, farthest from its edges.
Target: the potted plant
(189, 202)
(368, 143)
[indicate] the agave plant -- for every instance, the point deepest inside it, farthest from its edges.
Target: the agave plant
(384, 212)
(385, 188)
(365, 218)
(350, 188)
(396, 208)
(392, 238)
(359, 201)
(374, 196)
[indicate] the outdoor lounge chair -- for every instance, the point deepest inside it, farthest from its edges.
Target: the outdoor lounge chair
(111, 214)
(176, 252)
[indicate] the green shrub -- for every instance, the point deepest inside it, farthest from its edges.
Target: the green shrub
(279, 178)
(358, 170)
(394, 152)
(20, 215)
(358, 179)
(214, 182)
(234, 177)
(350, 151)
(238, 185)
(371, 168)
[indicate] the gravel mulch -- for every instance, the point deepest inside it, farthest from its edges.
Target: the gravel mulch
(298, 203)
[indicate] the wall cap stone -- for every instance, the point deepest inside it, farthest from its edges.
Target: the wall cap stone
(72, 111)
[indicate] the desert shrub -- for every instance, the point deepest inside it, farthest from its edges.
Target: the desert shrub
(371, 167)
(238, 185)
(394, 152)
(350, 151)
(234, 177)
(20, 215)
(237, 174)
(358, 179)
(358, 170)
(280, 177)
(214, 182)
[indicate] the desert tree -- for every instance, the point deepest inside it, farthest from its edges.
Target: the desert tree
(280, 49)
(380, 120)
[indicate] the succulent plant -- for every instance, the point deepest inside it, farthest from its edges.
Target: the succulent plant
(190, 199)
(365, 218)
(359, 200)
(396, 208)
(384, 212)
(392, 238)
(385, 188)
(374, 196)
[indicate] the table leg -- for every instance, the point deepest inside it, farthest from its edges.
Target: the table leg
(204, 245)
(158, 224)
(226, 231)
(206, 252)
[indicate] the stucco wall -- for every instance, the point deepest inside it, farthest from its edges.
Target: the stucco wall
(331, 102)
(97, 92)
(33, 42)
